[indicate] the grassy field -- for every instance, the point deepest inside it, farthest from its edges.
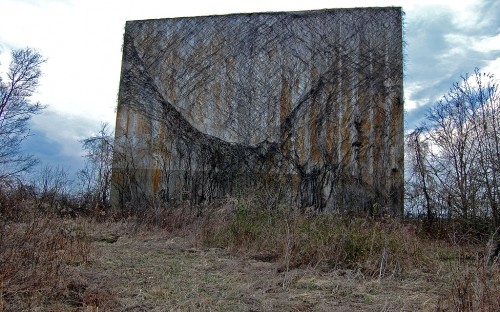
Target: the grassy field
(238, 259)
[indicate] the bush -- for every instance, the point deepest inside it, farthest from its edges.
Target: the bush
(34, 256)
(375, 247)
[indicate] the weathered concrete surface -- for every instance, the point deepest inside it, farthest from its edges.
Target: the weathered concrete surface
(306, 102)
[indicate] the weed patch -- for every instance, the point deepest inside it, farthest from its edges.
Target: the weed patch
(35, 257)
(376, 248)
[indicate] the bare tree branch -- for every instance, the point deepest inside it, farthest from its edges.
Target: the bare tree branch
(16, 109)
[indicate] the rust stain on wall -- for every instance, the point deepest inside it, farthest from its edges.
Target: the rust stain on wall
(217, 106)
(285, 100)
(156, 178)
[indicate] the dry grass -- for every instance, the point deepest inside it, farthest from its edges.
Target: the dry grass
(234, 258)
(474, 283)
(41, 261)
(155, 272)
(376, 248)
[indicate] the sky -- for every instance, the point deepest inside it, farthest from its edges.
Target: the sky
(82, 40)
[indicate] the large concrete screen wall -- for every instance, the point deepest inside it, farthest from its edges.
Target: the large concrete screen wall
(305, 104)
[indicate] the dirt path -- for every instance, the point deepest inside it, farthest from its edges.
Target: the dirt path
(151, 272)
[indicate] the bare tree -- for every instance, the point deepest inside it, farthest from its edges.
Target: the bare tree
(96, 177)
(462, 151)
(53, 187)
(452, 134)
(420, 180)
(482, 90)
(16, 109)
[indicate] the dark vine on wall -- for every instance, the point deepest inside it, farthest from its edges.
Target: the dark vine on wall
(308, 104)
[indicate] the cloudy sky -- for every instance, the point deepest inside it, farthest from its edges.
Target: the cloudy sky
(82, 39)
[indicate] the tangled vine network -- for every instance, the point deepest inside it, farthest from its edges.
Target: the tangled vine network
(306, 106)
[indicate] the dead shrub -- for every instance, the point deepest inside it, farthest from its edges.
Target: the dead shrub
(474, 283)
(34, 256)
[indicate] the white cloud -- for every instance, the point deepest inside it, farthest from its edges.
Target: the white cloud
(410, 102)
(65, 130)
(493, 67)
(487, 44)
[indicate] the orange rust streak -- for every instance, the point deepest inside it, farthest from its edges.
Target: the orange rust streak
(284, 100)
(315, 155)
(314, 127)
(156, 180)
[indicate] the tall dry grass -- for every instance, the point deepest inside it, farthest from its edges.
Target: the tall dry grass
(474, 280)
(41, 257)
(377, 248)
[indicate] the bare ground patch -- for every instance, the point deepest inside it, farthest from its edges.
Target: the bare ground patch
(155, 272)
